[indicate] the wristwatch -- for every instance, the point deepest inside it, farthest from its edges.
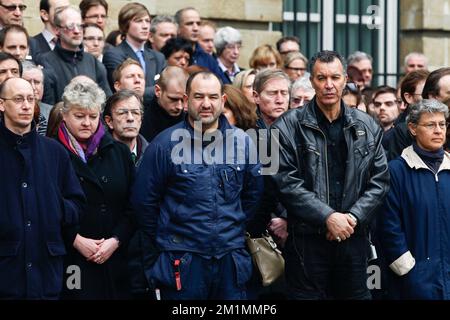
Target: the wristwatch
(353, 218)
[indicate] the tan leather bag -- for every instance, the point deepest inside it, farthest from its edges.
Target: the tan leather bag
(266, 257)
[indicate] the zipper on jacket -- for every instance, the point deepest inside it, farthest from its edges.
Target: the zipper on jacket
(326, 159)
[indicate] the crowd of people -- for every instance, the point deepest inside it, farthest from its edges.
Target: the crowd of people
(135, 163)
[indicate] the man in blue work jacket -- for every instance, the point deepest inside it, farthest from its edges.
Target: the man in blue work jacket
(198, 185)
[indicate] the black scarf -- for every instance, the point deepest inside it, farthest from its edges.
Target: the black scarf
(433, 159)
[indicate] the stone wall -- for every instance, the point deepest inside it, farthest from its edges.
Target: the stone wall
(425, 27)
(252, 17)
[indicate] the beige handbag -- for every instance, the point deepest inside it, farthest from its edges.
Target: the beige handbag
(266, 257)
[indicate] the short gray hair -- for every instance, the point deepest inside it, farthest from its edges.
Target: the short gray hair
(59, 12)
(302, 83)
(30, 65)
(415, 54)
(358, 56)
(160, 19)
(83, 94)
(266, 75)
(425, 106)
(226, 36)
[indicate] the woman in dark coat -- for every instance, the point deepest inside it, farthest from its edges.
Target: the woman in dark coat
(105, 170)
(414, 227)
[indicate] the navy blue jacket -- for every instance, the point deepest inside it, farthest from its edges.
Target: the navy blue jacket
(202, 59)
(40, 203)
(200, 208)
(414, 228)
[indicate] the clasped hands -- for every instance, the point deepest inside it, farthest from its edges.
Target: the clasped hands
(97, 251)
(340, 226)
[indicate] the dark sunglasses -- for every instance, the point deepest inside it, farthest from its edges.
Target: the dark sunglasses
(13, 7)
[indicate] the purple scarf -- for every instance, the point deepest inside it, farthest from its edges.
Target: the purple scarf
(75, 147)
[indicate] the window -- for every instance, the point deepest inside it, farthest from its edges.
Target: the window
(371, 26)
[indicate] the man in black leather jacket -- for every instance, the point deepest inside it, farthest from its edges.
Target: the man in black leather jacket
(333, 176)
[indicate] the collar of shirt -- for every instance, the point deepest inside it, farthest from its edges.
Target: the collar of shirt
(236, 69)
(134, 48)
(323, 120)
(48, 36)
(134, 150)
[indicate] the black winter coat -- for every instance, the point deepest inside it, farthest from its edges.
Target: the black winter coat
(106, 180)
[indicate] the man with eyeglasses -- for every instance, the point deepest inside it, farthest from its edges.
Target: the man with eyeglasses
(123, 116)
(68, 59)
(40, 201)
(94, 11)
(46, 40)
(11, 12)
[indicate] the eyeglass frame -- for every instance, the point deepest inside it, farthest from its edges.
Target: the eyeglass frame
(296, 69)
(125, 112)
(15, 99)
(72, 27)
(22, 7)
(433, 125)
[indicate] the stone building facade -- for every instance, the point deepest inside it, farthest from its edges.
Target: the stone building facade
(254, 18)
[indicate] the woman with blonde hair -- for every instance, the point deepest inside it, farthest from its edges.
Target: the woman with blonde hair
(265, 56)
(105, 170)
(295, 65)
(244, 82)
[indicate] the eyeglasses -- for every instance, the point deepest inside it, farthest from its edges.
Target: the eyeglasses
(97, 17)
(13, 7)
(73, 26)
(99, 39)
(21, 99)
(296, 69)
(433, 125)
(124, 112)
(233, 46)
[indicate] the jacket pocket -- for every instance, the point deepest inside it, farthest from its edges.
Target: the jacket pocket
(232, 177)
(163, 271)
(9, 248)
(243, 265)
(56, 248)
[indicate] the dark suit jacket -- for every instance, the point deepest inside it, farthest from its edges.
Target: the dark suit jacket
(38, 46)
(61, 66)
(155, 62)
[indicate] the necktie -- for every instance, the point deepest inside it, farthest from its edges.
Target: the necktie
(133, 157)
(140, 54)
(53, 42)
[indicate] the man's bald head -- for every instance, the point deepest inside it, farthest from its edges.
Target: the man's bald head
(11, 83)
